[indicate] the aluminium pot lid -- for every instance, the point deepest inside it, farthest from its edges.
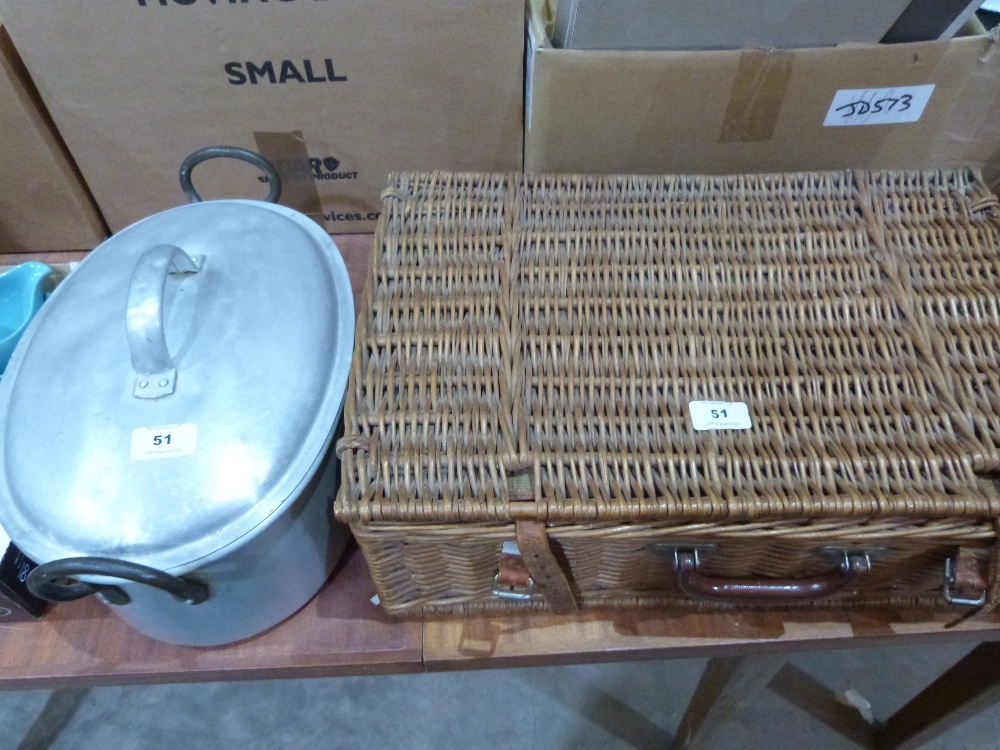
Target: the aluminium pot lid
(164, 445)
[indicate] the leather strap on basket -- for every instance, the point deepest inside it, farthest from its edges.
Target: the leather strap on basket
(537, 559)
(513, 572)
(543, 566)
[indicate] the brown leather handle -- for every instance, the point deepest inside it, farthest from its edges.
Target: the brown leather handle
(697, 585)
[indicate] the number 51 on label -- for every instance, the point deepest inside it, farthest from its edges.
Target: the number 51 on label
(719, 415)
(165, 441)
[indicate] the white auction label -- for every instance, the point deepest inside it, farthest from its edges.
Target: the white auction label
(167, 441)
(719, 415)
(878, 106)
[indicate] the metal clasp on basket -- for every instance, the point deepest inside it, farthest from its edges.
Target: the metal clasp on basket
(950, 579)
(510, 591)
(512, 580)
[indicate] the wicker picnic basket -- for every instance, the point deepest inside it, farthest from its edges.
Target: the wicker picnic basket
(760, 390)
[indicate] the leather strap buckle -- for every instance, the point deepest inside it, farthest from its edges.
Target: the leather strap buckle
(513, 592)
(512, 580)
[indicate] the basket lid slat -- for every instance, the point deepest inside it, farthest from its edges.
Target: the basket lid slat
(560, 327)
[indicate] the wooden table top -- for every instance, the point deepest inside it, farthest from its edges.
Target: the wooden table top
(545, 640)
(341, 632)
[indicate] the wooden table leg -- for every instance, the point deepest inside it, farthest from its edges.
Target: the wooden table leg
(58, 710)
(725, 689)
(810, 695)
(969, 687)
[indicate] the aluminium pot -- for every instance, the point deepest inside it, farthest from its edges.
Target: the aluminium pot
(168, 418)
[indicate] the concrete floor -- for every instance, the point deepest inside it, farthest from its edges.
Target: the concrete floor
(635, 705)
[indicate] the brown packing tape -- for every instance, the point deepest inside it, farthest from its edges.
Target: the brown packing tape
(288, 153)
(762, 77)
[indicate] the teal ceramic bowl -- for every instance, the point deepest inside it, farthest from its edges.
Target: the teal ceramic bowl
(22, 292)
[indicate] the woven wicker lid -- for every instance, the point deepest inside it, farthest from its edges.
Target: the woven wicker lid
(530, 347)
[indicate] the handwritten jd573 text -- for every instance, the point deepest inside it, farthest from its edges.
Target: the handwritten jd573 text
(863, 107)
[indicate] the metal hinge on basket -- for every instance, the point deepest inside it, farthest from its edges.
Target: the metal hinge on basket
(965, 573)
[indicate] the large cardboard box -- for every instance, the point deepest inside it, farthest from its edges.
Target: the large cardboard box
(338, 94)
(43, 202)
(906, 106)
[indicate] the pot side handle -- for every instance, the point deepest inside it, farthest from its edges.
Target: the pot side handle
(147, 339)
(228, 152)
(55, 581)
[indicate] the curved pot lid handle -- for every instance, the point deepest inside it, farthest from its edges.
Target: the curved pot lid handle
(147, 341)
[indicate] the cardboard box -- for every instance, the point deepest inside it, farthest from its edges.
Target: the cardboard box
(931, 19)
(339, 94)
(43, 202)
(759, 110)
(721, 24)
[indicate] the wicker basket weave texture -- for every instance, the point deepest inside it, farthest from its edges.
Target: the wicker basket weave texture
(555, 328)
(449, 566)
